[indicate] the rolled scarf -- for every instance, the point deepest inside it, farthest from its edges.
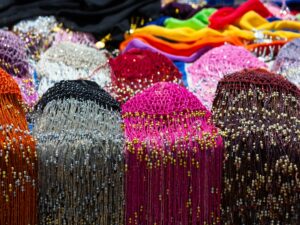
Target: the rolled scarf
(209, 69)
(173, 159)
(18, 162)
(258, 112)
(71, 61)
(79, 146)
(250, 26)
(185, 49)
(14, 60)
(197, 22)
(228, 15)
(189, 35)
(287, 62)
(137, 69)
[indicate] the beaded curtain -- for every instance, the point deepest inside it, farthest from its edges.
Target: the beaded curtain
(18, 163)
(259, 112)
(137, 69)
(173, 159)
(81, 166)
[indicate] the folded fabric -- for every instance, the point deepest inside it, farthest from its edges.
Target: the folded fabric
(159, 21)
(227, 15)
(185, 49)
(197, 22)
(112, 16)
(253, 21)
(179, 10)
(186, 34)
(250, 26)
(138, 43)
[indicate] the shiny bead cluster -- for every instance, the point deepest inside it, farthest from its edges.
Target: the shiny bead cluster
(13, 54)
(205, 74)
(288, 61)
(70, 61)
(37, 33)
(137, 69)
(261, 125)
(171, 150)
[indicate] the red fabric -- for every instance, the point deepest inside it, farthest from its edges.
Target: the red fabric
(227, 15)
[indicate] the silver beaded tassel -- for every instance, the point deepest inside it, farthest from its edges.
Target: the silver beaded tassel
(80, 164)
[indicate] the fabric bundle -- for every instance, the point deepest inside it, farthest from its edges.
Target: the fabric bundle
(70, 61)
(287, 62)
(138, 69)
(173, 159)
(14, 60)
(97, 17)
(259, 112)
(81, 166)
(18, 163)
(214, 65)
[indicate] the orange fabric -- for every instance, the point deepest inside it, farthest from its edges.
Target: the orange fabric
(185, 49)
(18, 161)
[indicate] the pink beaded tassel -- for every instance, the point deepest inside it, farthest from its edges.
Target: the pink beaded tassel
(173, 159)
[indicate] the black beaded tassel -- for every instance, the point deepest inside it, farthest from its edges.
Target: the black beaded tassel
(80, 143)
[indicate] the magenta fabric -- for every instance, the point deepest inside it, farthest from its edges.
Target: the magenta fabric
(173, 159)
(206, 72)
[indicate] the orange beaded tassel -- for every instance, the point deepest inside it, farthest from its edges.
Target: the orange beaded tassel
(18, 167)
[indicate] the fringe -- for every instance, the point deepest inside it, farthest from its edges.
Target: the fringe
(18, 166)
(81, 166)
(173, 169)
(260, 173)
